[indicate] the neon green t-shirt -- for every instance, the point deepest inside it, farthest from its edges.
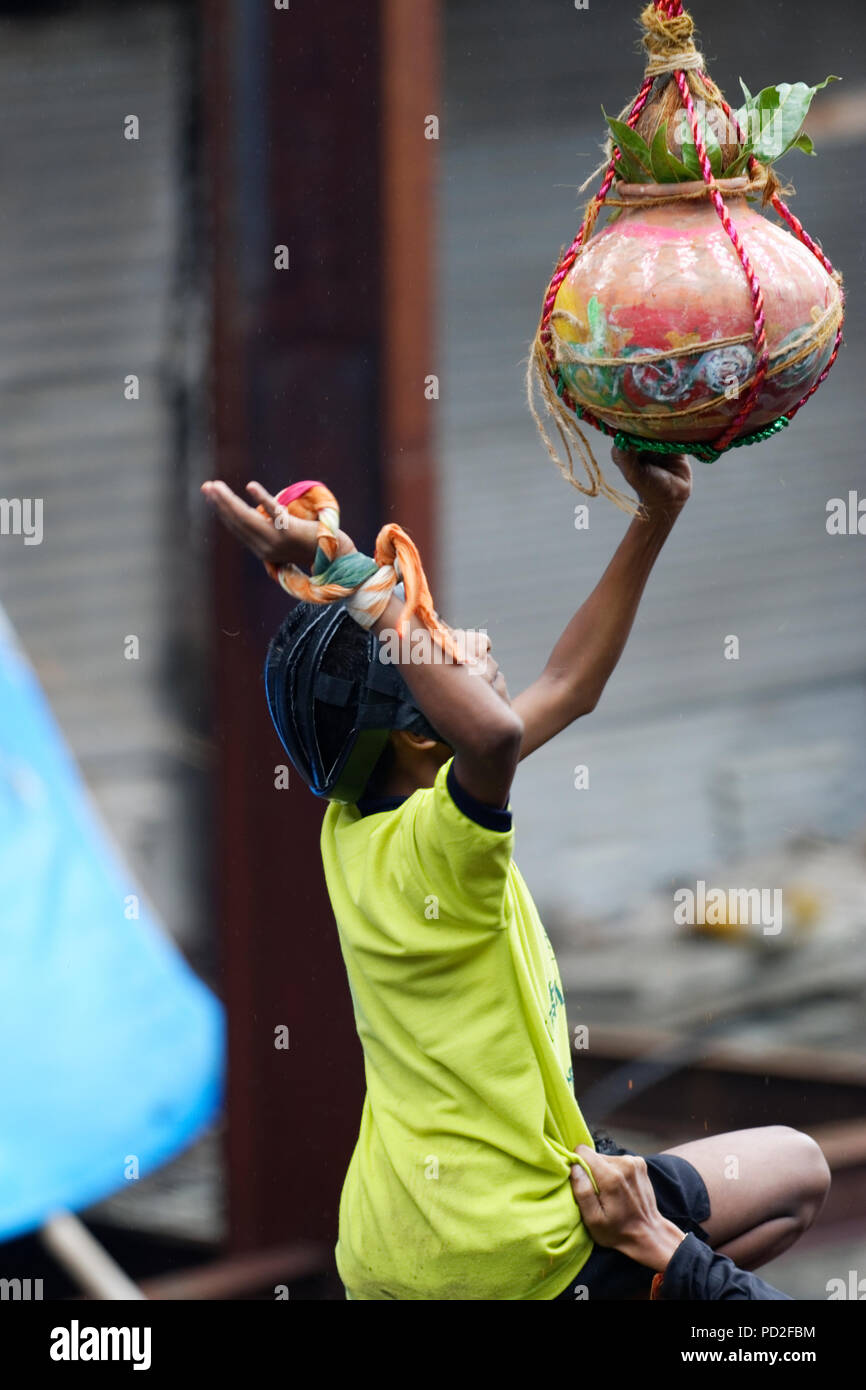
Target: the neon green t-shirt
(459, 1186)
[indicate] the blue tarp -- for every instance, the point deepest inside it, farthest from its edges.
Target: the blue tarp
(111, 1049)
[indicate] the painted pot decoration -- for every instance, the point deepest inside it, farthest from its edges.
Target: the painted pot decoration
(652, 328)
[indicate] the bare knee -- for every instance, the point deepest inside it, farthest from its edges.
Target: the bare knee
(804, 1164)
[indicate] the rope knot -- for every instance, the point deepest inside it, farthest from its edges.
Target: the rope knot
(669, 42)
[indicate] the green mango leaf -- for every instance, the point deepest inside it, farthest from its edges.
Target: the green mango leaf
(629, 172)
(691, 161)
(665, 166)
(632, 146)
(627, 169)
(736, 167)
(774, 118)
(804, 142)
(757, 112)
(741, 117)
(714, 150)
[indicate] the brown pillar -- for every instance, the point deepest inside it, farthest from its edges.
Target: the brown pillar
(314, 138)
(410, 104)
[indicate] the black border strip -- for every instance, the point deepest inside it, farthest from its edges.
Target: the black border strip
(490, 817)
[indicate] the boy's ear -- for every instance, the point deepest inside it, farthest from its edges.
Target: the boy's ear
(413, 740)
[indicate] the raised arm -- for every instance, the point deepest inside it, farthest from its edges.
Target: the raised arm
(590, 647)
(468, 705)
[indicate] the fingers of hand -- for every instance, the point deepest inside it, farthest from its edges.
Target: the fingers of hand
(626, 1170)
(624, 457)
(494, 677)
(590, 1156)
(635, 462)
(243, 521)
(475, 645)
(474, 650)
(583, 1192)
(264, 499)
(226, 502)
(230, 506)
(617, 1176)
(592, 1161)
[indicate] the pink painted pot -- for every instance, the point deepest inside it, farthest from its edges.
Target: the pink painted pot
(665, 283)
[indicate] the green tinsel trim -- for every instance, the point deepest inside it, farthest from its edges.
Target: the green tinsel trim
(699, 450)
(706, 453)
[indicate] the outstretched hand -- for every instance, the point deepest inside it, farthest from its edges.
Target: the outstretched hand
(663, 486)
(278, 538)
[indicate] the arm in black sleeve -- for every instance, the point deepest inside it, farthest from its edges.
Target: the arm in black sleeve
(698, 1273)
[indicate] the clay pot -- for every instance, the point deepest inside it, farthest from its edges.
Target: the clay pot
(668, 277)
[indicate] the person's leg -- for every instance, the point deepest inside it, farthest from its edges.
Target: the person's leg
(765, 1186)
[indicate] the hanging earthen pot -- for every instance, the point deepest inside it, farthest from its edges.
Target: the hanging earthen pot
(690, 323)
(652, 328)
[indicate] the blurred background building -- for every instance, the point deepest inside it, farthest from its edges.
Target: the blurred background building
(153, 257)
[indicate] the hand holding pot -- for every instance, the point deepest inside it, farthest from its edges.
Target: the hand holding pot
(662, 482)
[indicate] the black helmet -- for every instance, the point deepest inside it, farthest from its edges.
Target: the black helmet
(295, 683)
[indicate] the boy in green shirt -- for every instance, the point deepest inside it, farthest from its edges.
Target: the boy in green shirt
(460, 1185)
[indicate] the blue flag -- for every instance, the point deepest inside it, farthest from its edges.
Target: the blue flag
(111, 1049)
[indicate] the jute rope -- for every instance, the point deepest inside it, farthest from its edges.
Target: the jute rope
(669, 42)
(764, 178)
(809, 341)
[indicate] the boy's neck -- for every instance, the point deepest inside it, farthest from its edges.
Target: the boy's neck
(405, 781)
(411, 769)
